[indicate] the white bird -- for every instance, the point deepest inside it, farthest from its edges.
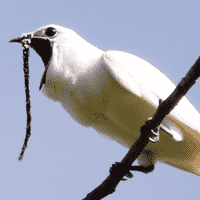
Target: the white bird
(115, 93)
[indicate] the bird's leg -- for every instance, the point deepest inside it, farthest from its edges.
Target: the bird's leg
(154, 133)
(142, 168)
(119, 166)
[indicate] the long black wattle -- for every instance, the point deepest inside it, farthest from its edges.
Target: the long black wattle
(43, 48)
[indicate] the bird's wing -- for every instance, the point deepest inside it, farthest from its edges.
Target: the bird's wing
(143, 79)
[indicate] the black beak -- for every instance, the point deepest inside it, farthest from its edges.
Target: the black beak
(18, 40)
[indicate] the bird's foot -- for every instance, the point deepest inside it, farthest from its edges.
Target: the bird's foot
(155, 135)
(143, 169)
(117, 168)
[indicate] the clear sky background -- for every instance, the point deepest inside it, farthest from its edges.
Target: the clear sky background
(65, 160)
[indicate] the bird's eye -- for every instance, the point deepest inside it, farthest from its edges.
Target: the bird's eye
(50, 31)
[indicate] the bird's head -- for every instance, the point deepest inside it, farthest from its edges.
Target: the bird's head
(42, 41)
(62, 49)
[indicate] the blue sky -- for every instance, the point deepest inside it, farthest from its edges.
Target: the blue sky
(65, 160)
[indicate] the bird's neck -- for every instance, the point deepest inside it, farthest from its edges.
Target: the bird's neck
(73, 58)
(76, 57)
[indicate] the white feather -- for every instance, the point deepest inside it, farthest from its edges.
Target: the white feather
(115, 93)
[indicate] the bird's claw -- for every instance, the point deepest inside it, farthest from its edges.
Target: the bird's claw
(155, 134)
(117, 167)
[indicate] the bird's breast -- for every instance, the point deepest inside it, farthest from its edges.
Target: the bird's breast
(98, 100)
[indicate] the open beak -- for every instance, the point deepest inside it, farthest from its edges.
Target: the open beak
(43, 48)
